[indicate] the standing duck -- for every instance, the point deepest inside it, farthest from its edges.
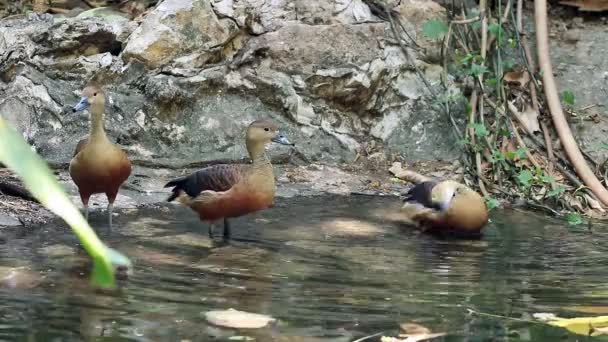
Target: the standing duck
(232, 190)
(442, 206)
(98, 166)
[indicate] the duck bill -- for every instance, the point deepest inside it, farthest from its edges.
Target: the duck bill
(281, 139)
(81, 105)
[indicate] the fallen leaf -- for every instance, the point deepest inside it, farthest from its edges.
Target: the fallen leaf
(587, 5)
(232, 318)
(519, 78)
(595, 204)
(528, 117)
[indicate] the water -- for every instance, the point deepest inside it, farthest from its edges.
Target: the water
(328, 268)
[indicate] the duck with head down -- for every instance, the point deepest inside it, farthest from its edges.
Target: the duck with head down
(98, 165)
(231, 190)
(443, 206)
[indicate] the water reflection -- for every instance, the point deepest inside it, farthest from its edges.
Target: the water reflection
(329, 269)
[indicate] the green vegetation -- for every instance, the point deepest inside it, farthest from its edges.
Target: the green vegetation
(16, 154)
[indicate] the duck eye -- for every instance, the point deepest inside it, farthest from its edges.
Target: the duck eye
(94, 94)
(267, 129)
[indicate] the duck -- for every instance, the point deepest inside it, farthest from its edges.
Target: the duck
(97, 165)
(442, 206)
(224, 191)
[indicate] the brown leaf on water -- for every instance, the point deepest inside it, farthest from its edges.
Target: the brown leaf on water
(587, 5)
(518, 78)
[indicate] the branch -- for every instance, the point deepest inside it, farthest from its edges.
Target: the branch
(561, 125)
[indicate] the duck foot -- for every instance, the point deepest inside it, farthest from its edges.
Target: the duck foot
(227, 232)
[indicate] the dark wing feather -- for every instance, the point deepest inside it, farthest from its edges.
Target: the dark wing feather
(81, 144)
(421, 193)
(216, 178)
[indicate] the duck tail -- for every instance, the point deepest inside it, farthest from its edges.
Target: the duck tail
(177, 184)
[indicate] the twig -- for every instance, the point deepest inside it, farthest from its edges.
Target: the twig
(521, 143)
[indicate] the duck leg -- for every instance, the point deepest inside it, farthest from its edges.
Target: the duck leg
(85, 204)
(226, 229)
(111, 197)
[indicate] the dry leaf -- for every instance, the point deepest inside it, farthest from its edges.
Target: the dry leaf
(595, 204)
(519, 78)
(582, 325)
(588, 5)
(529, 117)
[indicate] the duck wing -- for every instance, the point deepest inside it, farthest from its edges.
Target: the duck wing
(216, 178)
(81, 144)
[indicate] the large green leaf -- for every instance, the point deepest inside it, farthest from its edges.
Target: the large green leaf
(40, 181)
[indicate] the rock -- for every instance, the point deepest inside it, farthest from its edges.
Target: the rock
(176, 28)
(7, 220)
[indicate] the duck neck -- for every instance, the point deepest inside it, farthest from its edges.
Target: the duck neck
(257, 154)
(97, 132)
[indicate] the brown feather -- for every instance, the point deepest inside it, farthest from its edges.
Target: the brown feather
(81, 144)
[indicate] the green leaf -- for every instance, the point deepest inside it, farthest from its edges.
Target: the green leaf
(497, 31)
(557, 191)
(547, 179)
(16, 154)
(521, 152)
(568, 97)
(491, 82)
(525, 178)
(480, 129)
(477, 69)
(604, 146)
(492, 203)
(434, 29)
(574, 219)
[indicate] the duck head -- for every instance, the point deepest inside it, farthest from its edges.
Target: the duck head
(92, 97)
(261, 133)
(463, 207)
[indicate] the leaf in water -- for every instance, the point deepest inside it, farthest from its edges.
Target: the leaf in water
(568, 97)
(232, 318)
(587, 326)
(41, 183)
(434, 29)
(525, 177)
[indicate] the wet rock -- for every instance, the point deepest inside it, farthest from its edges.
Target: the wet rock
(7, 220)
(179, 27)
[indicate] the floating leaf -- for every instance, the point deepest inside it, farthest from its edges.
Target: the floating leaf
(434, 29)
(587, 326)
(232, 318)
(40, 181)
(568, 97)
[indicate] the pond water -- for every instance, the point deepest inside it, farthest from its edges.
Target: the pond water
(328, 268)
